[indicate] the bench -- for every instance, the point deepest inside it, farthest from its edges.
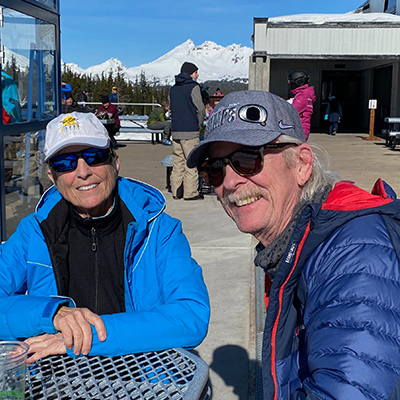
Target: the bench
(392, 134)
(140, 134)
(134, 127)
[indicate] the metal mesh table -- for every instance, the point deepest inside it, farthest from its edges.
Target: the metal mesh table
(169, 374)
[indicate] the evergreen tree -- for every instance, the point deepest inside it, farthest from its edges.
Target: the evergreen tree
(140, 91)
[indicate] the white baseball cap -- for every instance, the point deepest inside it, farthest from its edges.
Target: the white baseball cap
(74, 129)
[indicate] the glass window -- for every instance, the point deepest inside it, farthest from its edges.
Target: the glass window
(25, 176)
(28, 67)
(390, 6)
(49, 3)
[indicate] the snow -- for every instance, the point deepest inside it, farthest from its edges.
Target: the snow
(215, 62)
(319, 19)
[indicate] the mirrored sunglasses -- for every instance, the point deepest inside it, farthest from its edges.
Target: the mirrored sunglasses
(245, 161)
(69, 161)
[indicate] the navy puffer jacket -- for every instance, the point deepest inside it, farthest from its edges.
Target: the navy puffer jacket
(333, 319)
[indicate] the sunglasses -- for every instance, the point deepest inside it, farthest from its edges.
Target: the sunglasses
(246, 161)
(69, 161)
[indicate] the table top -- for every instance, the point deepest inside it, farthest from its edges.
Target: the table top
(169, 374)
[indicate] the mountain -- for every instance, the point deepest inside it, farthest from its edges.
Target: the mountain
(215, 63)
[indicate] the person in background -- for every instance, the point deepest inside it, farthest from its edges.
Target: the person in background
(209, 110)
(99, 268)
(109, 113)
(218, 92)
(204, 94)
(333, 114)
(187, 113)
(71, 105)
(330, 251)
(157, 120)
(83, 96)
(65, 89)
(304, 97)
(113, 96)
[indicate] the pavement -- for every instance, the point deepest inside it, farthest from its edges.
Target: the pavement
(226, 255)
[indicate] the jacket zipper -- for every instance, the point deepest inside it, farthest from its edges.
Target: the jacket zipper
(96, 267)
(275, 326)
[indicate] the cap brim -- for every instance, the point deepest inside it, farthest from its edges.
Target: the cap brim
(258, 138)
(99, 142)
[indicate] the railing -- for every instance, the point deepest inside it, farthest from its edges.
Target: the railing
(144, 105)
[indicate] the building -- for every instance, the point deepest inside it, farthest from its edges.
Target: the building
(30, 98)
(354, 56)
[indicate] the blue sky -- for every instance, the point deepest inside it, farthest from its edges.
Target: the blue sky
(140, 31)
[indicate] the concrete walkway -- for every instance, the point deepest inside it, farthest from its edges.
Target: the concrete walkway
(226, 255)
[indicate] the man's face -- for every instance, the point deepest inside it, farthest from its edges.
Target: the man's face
(70, 101)
(195, 75)
(88, 188)
(262, 204)
(106, 105)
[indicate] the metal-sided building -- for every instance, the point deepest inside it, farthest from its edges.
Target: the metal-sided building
(354, 56)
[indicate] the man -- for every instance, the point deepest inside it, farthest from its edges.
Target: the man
(158, 121)
(109, 113)
(187, 113)
(99, 268)
(70, 105)
(113, 96)
(332, 329)
(65, 89)
(83, 96)
(304, 97)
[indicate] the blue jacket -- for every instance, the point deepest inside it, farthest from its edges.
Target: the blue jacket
(333, 318)
(113, 97)
(166, 299)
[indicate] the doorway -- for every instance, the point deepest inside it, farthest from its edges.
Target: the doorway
(345, 85)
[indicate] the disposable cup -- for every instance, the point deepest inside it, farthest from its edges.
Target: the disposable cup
(12, 370)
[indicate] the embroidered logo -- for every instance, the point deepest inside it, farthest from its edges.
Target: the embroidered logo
(283, 126)
(291, 253)
(253, 113)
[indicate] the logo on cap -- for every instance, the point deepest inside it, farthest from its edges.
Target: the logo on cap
(283, 126)
(69, 121)
(253, 113)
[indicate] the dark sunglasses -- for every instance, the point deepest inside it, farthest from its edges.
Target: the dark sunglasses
(69, 161)
(246, 161)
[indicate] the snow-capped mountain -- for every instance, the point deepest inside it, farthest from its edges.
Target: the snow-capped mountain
(215, 62)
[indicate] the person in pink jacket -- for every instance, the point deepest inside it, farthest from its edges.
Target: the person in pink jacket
(304, 97)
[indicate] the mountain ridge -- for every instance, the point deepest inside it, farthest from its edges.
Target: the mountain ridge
(215, 63)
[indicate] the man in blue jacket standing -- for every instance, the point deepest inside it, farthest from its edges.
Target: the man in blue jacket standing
(99, 268)
(187, 117)
(330, 251)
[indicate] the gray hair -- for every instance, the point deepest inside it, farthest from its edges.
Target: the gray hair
(320, 177)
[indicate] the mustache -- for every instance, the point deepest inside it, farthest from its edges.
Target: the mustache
(233, 198)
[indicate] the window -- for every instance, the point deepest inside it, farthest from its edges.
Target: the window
(28, 67)
(30, 94)
(390, 6)
(49, 3)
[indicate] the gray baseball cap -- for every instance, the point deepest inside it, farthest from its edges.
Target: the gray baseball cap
(250, 118)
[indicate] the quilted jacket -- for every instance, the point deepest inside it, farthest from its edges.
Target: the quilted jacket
(333, 318)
